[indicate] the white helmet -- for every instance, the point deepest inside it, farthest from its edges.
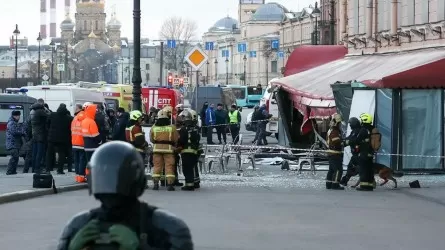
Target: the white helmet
(86, 104)
(179, 106)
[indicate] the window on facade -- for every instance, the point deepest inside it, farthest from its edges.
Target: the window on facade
(274, 67)
(147, 66)
(97, 25)
(422, 128)
(147, 77)
(85, 25)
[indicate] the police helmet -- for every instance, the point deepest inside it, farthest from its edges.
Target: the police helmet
(354, 123)
(366, 118)
(162, 114)
(117, 168)
(185, 115)
(135, 115)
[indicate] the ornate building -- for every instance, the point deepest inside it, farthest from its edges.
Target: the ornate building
(89, 41)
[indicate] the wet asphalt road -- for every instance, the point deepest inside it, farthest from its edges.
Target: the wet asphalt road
(234, 218)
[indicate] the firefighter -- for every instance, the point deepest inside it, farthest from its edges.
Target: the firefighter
(177, 123)
(335, 154)
(200, 150)
(365, 154)
(134, 134)
(164, 137)
(352, 169)
(188, 143)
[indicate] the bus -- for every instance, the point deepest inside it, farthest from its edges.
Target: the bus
(247, 96)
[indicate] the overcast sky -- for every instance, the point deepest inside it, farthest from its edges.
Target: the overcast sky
(206, 12)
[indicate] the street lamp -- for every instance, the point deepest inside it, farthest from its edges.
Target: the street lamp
(137, 78)
(52, 45)
(316, 13)
(227, 71)
(216, 70)
(244, 74)
(16, 33)
(39, 40)
(207, 76)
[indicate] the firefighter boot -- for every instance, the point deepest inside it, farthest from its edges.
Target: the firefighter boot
(188, 188)
(156, 185)
(328, 185)
(171, 188)
(336, 186)
(197, 185)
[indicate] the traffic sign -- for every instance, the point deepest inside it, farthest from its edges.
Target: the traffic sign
(171, 44)
(209, 45)
(242, 47)
(176, 81)
(45, 77)
(275, 44)
(196, 57)
(45, 83)
(186, 81)
(60, 67)
(280, 54)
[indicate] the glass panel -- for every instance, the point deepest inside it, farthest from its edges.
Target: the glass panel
(254, 91)
(383, 123)
(240, 93)
(421, 128)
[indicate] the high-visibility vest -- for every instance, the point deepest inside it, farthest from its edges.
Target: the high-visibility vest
(162, 137)
(233, 117)
(76, 131)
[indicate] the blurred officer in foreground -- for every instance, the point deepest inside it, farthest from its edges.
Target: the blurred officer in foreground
(122, 221)
(188, 144)
(335, 154)
(164, 137)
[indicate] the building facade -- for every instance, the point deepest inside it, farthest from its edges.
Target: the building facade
(243, 53)
(371, 26)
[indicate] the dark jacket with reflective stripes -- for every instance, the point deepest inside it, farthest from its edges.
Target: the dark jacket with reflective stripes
(189, 139)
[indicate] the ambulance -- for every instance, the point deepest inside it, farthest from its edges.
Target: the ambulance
(159, 97)
(118, 95)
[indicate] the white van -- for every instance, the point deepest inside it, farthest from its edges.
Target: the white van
(272, 107)
(55, 95)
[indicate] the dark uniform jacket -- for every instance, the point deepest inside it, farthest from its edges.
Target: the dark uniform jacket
(334, 141)
(189, 139)
(175, 229)
(39, 118)
(361, 140)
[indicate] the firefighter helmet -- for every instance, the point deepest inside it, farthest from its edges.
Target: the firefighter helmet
(193, 114)
(336, 119)
(186, 115)
(162, 114)
(366, 118)
(117, 168)
(135, 115)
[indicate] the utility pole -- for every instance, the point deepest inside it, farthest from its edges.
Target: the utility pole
(332, 23)
(161, 65)
(137, 78)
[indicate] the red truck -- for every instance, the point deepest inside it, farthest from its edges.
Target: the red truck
(160, 97)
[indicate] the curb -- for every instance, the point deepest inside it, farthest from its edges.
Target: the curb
(34, 193)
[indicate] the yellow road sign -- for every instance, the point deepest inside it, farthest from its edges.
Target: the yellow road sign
(196, 57)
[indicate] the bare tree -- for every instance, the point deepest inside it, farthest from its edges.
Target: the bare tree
(183, 31)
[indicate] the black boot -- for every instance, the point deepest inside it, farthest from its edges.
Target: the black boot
(343, 181)
(197, 185)
(162, 183)
(171, 188)
(188, 188)
(178, 184)
(328, 185)
(364, 189)
(156, 186)
(336, 186)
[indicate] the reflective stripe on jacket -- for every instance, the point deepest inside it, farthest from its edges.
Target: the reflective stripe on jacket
(76, 130)
(90, 131)
(164, 139)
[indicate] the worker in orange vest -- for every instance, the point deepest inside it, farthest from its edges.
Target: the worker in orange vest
(77, 142)
(90, 132)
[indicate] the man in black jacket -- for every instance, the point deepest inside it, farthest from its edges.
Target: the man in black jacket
(59, 138)
(120, 125)
(221, 118)
(103, 123)
(39, 116)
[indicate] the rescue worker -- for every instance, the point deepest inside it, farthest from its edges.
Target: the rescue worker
(234, 121)
(164, 137)
(335, 154)
(366, 153)
(188, 143)
(352, 169)
(122, 221)
(134, 133)
(169, 111)
(77, 142)
(200, 150)
(90, 132)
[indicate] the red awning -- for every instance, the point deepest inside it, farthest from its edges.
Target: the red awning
(419, 69)
(310, 56)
